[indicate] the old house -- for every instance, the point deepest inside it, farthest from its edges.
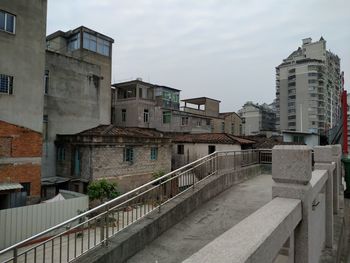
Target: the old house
(190, 147)
(128, 156)
(140, 104)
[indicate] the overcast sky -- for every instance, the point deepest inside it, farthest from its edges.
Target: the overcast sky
(223, 49)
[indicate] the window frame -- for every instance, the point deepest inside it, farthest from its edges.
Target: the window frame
(9, 89)
(166, 116)
(128, 154)
(146, 116)
(5, 22)
(181, 149)
(154, 153)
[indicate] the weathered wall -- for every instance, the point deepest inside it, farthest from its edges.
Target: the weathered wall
(24, 54)
(20, 156)
(108, 163)
(72, 103)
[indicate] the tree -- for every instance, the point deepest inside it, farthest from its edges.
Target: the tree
(102, 189)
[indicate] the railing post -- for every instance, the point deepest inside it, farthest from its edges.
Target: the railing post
(292, 172)
(15, 253)
(160, 196)
(323, 156)
(107, 224)
(337, 153)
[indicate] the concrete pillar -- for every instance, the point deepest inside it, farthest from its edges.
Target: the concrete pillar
(337, 153)
(323, 156)
(292, 172)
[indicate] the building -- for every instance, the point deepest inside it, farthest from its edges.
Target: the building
(226, 122)
(140, 104)
(190, 147)
(22, 67)
(128, 156)
(258, 119)
(307, 138)
(308, 89)
(77, 88)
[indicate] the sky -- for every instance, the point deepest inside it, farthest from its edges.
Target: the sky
(222, 49)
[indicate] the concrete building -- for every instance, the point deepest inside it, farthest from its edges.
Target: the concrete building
(128, 156)
(145, 105)
(308, 88)
(77, 88)
(22, 66)
(226, 122)
(258, 119)
(190, 147)
(307, 138)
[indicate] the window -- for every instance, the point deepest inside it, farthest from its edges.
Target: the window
(77, 164)
(123, 115)
(7, 22)
(232, 128)
(61, 153)
(145, 115)
(199, 123)
(154, 153)
(298, 139)
(6, 84)
(96, 44)
(222, 126)
(180, 149)
(26, 188)
(46, 82)
(208, 122)
(211, 149)
(45, 127)
(166, 116)
(140, 93)
(128, 155)
(184, 121)
(74, 42)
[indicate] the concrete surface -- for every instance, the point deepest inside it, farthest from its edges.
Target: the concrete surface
(208, 222)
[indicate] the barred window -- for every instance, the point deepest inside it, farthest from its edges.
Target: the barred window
(128, 154)
(154, 153)
(6, 84)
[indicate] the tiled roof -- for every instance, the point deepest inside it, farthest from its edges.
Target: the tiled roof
(110, 130)
(222, 138)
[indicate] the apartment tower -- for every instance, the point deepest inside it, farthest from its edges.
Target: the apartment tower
(308, 89)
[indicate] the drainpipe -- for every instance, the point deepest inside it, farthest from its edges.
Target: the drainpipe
(345, 122)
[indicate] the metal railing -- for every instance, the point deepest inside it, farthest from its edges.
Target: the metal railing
(69, 240)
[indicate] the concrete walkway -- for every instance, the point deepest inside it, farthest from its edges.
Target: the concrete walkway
(208, 222)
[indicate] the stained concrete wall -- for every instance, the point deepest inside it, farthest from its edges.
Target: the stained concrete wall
(72, 103)
(23, 56)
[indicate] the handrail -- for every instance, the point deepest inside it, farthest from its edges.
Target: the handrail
(101, 206)
(131, 206)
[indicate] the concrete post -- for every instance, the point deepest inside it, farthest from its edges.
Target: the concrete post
(292, 172)
(323, 156)
(337, 153)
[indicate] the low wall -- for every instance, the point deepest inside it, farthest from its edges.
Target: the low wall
(17, 224)
(132, 239)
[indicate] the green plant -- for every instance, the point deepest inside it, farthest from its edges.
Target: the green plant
(158, 174)
(102, 190)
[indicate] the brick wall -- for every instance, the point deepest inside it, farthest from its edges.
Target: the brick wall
(107, 162)
(17, 142)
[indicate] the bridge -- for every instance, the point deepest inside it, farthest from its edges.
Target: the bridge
(225, 206)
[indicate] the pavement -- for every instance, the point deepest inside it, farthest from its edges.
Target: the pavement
(207, 222)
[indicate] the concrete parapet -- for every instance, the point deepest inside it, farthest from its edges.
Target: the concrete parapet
(323, 154)
(291, 164)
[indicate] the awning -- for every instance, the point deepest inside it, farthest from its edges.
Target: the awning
(10, 186)
(53, 180)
